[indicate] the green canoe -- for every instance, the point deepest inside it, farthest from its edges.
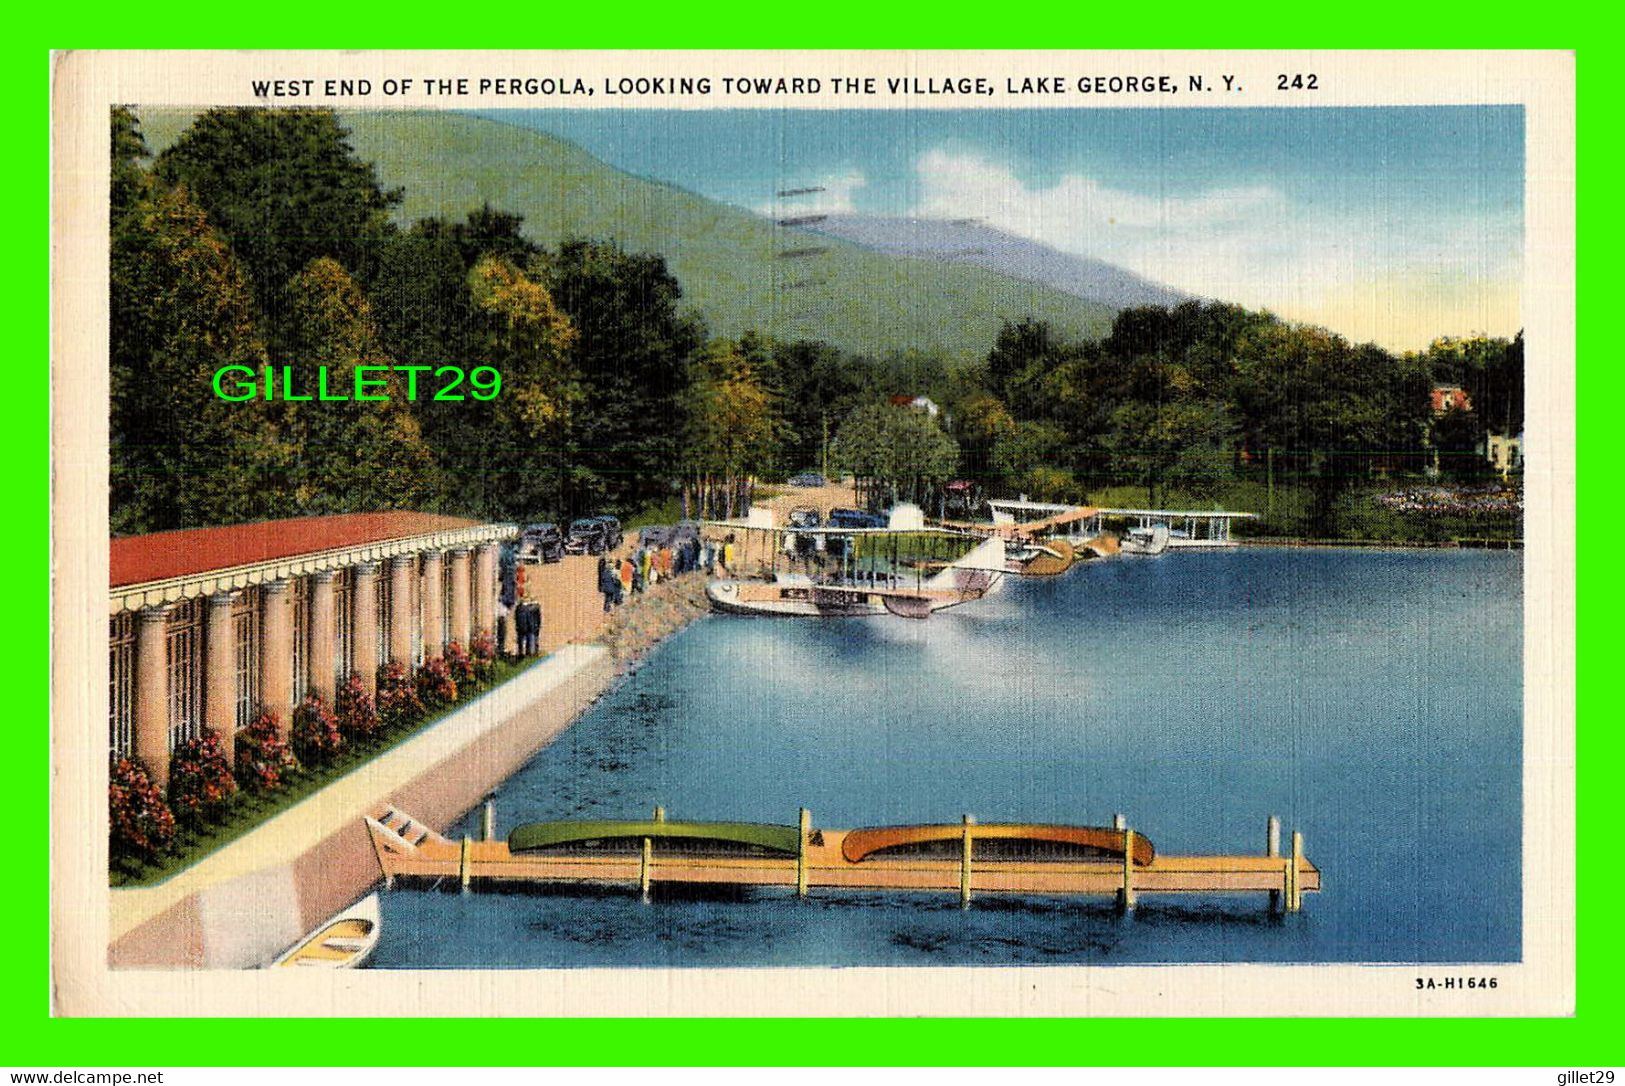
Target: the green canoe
(535, 835)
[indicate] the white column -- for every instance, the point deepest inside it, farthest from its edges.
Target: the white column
(151, 738)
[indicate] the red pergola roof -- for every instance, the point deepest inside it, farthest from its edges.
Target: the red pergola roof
(160, 556)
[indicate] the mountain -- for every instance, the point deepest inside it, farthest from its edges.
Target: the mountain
(739, 271)
(969, 241)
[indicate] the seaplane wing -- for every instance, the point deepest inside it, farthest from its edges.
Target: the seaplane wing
(1023, 529)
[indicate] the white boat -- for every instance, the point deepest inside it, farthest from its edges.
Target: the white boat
(347, 939)
(1150, 540)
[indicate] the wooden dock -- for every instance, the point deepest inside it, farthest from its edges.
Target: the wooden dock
(818, 860)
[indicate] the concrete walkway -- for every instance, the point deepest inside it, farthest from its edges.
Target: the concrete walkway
(341, 804)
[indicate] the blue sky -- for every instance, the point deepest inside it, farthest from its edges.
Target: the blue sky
(1392, 224)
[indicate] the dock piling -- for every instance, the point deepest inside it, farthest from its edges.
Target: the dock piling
(1125, 896)
(1294, 891)
(801, 853)
(644, 881)
(488, 821)
(464, 870)
(964, 864)
(1119, 823)
(1272, 847)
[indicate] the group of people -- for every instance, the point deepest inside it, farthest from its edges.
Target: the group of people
(636, 572)
(517, 604)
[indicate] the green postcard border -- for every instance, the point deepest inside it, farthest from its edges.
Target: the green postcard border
(32, 1038)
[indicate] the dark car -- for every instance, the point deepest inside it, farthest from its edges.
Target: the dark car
(541, 543)
(804, 516)
(612, 532)
(586, 537)
(655, 536)
(807, 478)
(855, 518)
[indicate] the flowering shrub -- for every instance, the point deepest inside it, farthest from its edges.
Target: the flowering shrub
(200, 781)
(398, 701)
(140, 824)
(316, 736)
(436, 687)
(458, 664)
(263, 756)
(483, 649)
(358, 717)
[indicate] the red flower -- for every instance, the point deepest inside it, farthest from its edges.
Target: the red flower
(458, 664)
(140, 823)
(316, 736)
(263, 755)
(358, 717)
(398, 701)
(436, 687)
(200, 781)
(484, 651)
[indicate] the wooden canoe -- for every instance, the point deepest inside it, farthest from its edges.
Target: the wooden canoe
(862, 844)
(344, 942)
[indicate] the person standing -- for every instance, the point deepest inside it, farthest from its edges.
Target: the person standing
(529, 620)
(608, 583)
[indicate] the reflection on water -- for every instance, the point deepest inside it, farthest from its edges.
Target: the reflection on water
(1371, 699)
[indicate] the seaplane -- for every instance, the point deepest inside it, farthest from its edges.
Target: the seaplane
(1035, 548)
(858, 592)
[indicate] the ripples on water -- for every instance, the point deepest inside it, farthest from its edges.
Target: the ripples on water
(1371, 699)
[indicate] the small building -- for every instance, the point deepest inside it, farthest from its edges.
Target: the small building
(1448, 397)
(211, 626)
(1505, 451)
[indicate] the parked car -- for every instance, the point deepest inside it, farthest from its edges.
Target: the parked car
(805, 516)
(807, 478)
(612, 532)
(654, 536)
(541, 543)
(586, 536)
(855, 518)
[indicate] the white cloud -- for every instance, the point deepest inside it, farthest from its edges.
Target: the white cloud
(1346, 260)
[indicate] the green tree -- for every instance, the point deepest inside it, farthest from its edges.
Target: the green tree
(128, 176)
(894, 454)
(180, 310)
(420, 298)
(485, 231)
(1018, 345)
(350, 455)
(981, 424)
(284, 187)
(821, 386)
(1456, 435)
(730, 430)
(508, 455)
(1028, 457)
(632, 353)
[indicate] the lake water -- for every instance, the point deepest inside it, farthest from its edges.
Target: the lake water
(1372, 699)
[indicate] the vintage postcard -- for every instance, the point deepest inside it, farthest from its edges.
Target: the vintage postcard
(814, 533)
